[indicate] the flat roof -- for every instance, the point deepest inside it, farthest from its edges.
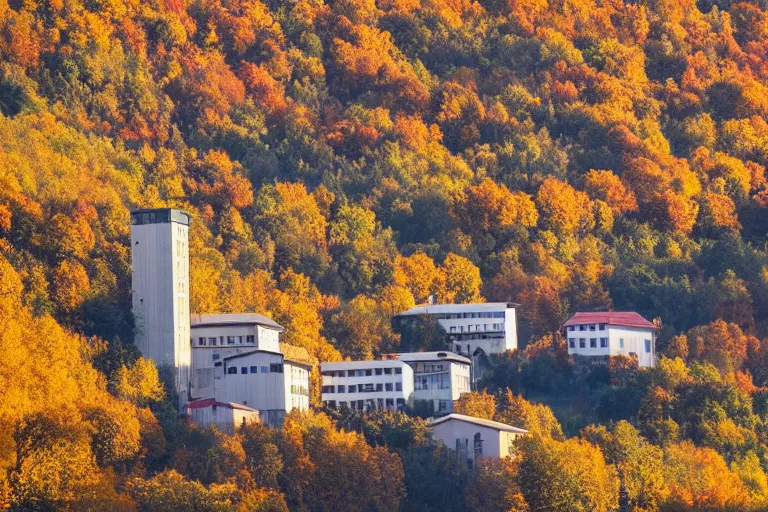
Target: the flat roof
(497, 425)
(433, 309)
(220, 319)
(362, 365)
(202, 403)
(442, 355)
(142, 216)
(623, 318)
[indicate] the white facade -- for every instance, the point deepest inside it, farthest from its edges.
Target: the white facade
(238, 358)
(605, 336)
(490, 327)
(439, 377)
(367, 385)
(227, 417)
(473, 437)
(160, 290)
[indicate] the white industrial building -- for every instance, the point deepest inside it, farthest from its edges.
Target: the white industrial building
(440, 378)
(367, 385)
(160, 290)
(601, 335)
(490, 327)
(239, 358)
(473, 438)
(225, 415)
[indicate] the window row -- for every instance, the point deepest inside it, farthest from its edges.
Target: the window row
(364, 388)
(367, 405)
(272, 368)
(587, 327)
(363, 373)
(213, 341)
(483, 314)
(431, 382)
(475, 328)
(592, 342)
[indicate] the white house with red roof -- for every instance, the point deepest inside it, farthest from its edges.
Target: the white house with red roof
(612, 333)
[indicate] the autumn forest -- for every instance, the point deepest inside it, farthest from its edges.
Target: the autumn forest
(342, 161)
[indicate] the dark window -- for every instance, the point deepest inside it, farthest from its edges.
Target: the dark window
(217, 364)
(353, 389)
(212, 341)
(603, 342)
(250, 339)
(388, 386)
(232, 370)
(571, 328)
(378, 371)
(398, 371)
(572, 343)
(647, 346)
(350, 373)
(368, 373)
(341, 388)
(328, 389)
(398, 386)
(253, 369)
(592, 327)
(216, 357)
(582, 327)
(602, 327)
(387, 371)
(244, 370)
(379, 387)
(230, 340)
(582, 343)
(592, 342)
(621, 342)
(275, 368)
(201, 341)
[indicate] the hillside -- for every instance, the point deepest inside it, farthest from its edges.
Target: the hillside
(344, 160)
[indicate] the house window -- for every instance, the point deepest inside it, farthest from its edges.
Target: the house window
(240, 340)
(328, 389)
(388, 386)
(582, 343)
(400, 403)
(216, 357)
(350, 373)
(201, 342)
(250, 339)
(264, 369)
(398, 386)
(232, 370)
(368, 373)
(602, 327)
(217, 364)
(379, 387)
(592, 342)
(341, 388)
(621, 342)
(212, 341)
(387, 371)
(398, 371)
(571, 328)
(582, 327)
(221, 340)
(647, 346)
(230, 340)
(275, 368)
(603, 342)
(478, 445)
(353, 388)
(390, 403)
(572, 342)
(443, 406)
(378, 371)
(253, 369)
(244, 370)
(592, 327)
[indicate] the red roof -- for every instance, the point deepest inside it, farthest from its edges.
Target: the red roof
(625, 318)
(211, 402)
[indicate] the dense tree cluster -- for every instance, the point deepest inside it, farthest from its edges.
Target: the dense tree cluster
(343, 160)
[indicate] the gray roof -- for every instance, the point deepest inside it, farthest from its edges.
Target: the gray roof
(433, 309)
(233, 319)
(443, 355)
(479, 421)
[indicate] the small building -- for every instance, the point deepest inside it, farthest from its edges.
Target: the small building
(613, 333)
(367, 385)
(490, 327)
(439, 377)
(472, 437)
(239, 358)
(226, 416)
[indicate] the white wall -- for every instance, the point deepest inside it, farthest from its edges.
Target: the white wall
(454, 376)
(160, 296)
(633, 342)
(296, 386)
(495, 442)
(405, 379)
(226, 419)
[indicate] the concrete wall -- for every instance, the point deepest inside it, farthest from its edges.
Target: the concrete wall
(405, 379)
(495, 442)
(226, 419)
(633, 342)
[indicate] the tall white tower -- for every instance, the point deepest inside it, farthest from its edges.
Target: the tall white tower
(160, 288)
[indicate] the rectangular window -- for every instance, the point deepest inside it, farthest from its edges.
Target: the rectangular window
(212, 342)
(398, 386)
(647, 346)
(398, 371)
(353, 388)
(250, 339)
(232, 370)
(275, 368)
(221, 340)
(592, 342)
(239, 340)
(453, 329)
(342, 388)
(603, 342)
(571, 328)
(264, 369)
(582, 343)
(350, 373)
(387, 371)
(378, 371)
(390, 403)
(201, 342)
(216, 357)
(379, 387)
(572, 342)
(602, 327)
(592, 327)
(368, 373)
(328, 389)
(582, 327)
(388, 386)
(253, 369)
(400, 402)
(621, 342)
(244, 370)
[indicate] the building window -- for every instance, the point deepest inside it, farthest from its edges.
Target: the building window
(378, 371)
(571, 328)
(389, 403)
(250, 339)
(212, 342)
(201, 342)
(244, 370)
(592, 342)
(647, 346)
(443, 406)
(342, 388)
(572, 342)
(353, 388)
(398, 371)
(603, 342)
(398, 386)
(253, 369)
(217, 364)
(221, 340)
(400, 403)
(602, 327)
(275, 368)
(582, 343)
(387, 371)
(478, 445)
(388, 386)
(379, 387)
(328, 389)
(239, 340)
(368, 373)
(350, 373)
(230, 340)
(592, 327)
(453, 329)
(216, 357)
(264, 369)
(621, 342)
(582, 327)
(232, 370)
